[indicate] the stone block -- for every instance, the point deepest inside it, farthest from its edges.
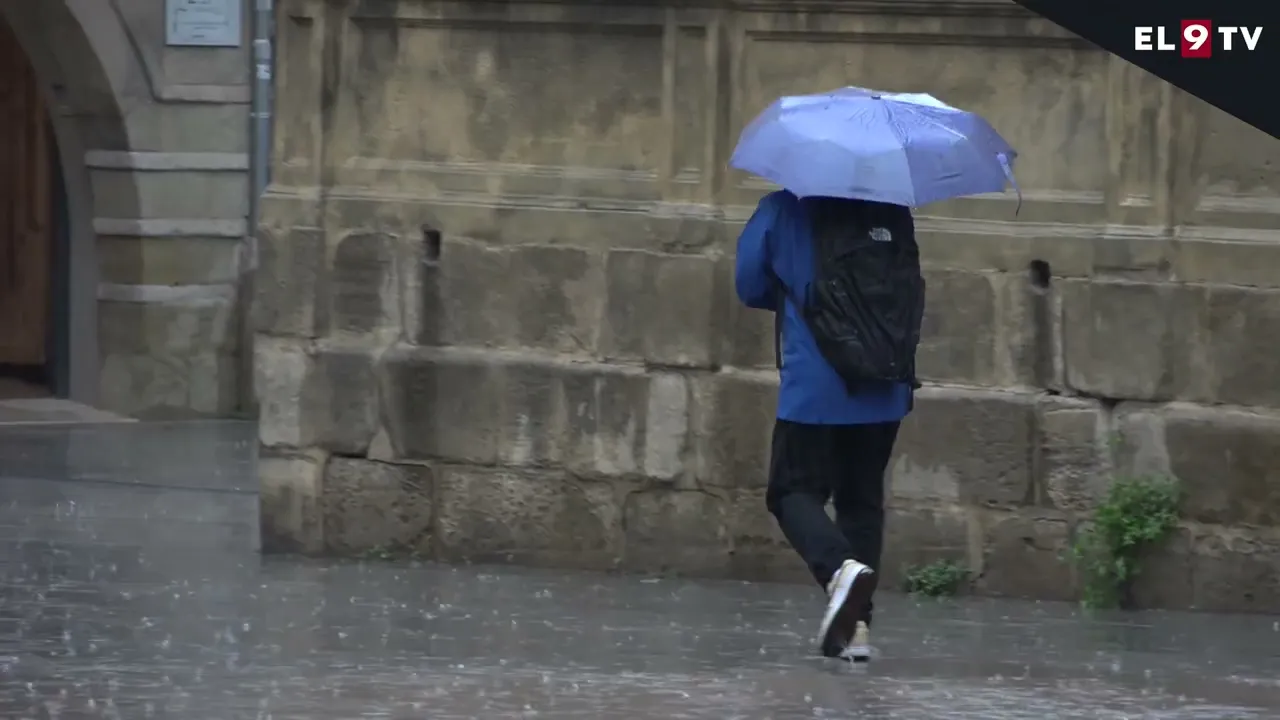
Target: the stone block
(166, 358)
(488, 408)
(659, 308)
(316, 395)
(1073, 438)
(666, 437)
(291, 508)
(527, 517)
(1234, 570)
(1227, 461)
(1232, 354)
(1142, 341)
(1137, 441)
(290, 282)
(1026, 554)
(445, 406)
(176, 193)
(188, 127)
(1028, 343)
(213, 385)
(759, 549)
(280, 369)
(733, 417)
(525, 296)
(168, 260)
(372, 505)
(159, 386)
(958, 334)
(167, 329)
(1121, 339)
(1213, 568)
(916, 536)
(363, 287)
(421, 292)
(670, 530)
(1164, 573)
(966, 446)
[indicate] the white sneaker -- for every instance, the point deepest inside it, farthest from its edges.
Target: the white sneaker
(859, 649)
(849, 593)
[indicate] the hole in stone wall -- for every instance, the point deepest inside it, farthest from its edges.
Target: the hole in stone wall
(431, 244)
(1039, 273)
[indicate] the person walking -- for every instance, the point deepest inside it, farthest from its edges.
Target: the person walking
(843, 279)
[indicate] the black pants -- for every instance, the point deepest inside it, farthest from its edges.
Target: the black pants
(845, 464)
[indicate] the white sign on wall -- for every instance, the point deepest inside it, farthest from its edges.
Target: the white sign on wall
(203, 23)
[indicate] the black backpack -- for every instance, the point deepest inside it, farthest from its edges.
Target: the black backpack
(866, 302)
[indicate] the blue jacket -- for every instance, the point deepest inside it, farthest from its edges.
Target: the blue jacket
(776, 241)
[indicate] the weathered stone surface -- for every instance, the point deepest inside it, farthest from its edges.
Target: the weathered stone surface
(601, 226)
(363, 284)
(958, 334)
(168, 260)
(291, 499)
(371, 505)
(162, 358)
(676, 530)
(280, 372)
(324, 395)
(1164, 572)
(511, 410)
(1234, 570)
(1227, 461)
(935, 458)
(1121, 338)
(1145, 341)
(524, 296)
(916, 536)
(155, 386)
(658, 308)
(1026, 554)
(290, 282)
(527, 517)
(666, 436)
(167, 329)
(759, 549)
(1028, 344)
(1074, 468)
(1210, 567)
(1232, 353)
(420, 289)
(733, 417)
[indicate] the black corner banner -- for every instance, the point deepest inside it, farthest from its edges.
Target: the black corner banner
(1226, 52)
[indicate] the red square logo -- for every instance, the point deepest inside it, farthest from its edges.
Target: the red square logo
(1196, 40)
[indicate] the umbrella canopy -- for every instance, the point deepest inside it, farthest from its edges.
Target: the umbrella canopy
(902, 148)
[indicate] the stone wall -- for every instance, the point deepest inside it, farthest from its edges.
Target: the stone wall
(565, 378)
(154, 148)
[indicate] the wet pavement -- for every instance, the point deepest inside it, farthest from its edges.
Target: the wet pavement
(134, 591)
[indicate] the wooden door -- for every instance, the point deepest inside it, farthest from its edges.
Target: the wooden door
(26, 243)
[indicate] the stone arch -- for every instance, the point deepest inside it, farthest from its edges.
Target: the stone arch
(82, 59)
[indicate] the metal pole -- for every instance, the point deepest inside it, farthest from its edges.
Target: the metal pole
(259, 175)
(260, 118)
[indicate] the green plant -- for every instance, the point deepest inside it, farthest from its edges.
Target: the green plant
(940, 578)
(1136, 514)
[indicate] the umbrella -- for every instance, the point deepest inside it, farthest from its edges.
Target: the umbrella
(903, 148)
